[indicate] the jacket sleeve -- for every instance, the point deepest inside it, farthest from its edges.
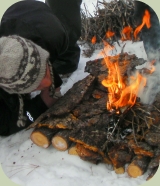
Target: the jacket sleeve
(9, 111)
(33, 108)
(9, 107)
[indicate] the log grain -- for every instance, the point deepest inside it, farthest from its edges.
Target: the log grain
(61, 141)
(138, 166)
(41, 136)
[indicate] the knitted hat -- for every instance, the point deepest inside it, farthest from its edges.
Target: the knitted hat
(22, 68)
(22, 64)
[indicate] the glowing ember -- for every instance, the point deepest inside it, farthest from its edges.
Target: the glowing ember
(145, 21)
(93, 40)
(126, 33)
(109, 34)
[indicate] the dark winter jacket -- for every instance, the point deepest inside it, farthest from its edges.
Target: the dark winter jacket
(35, 21)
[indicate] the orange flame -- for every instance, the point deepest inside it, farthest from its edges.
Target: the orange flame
(121, 92)
(126, 33)
(93, 40)
(145, 21)
(109, 34)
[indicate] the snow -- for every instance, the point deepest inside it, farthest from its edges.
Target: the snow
(27, 164)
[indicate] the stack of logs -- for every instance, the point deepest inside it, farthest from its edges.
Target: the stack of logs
(80, 123)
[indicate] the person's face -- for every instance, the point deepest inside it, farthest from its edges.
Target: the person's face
(46, 81)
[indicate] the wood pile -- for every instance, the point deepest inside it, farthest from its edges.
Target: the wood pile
(108, 22)
(80, 123)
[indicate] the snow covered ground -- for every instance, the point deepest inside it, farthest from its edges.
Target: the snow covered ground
(27, 164)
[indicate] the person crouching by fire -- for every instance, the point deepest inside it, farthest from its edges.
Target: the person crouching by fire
(149, 36)
(37, 44)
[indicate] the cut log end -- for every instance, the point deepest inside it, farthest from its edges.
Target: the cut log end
(119, 170)
(73, 150)
(59, 143)
(40, 139)
(134, 171)
(42, 136)
(61, 140)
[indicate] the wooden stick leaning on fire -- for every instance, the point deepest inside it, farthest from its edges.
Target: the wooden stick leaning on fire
(81, 123)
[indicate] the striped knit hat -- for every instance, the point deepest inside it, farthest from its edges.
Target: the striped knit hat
(22, 65)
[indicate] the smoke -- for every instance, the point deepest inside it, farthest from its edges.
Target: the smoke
(148, 93)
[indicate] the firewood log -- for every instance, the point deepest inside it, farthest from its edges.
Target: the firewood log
(138, 166)
(61, 141)
(126, 62)
(90, 138)
(141, 148)
(84, 110)
(67, 121)
(96, 67)
(88, 155)
(155, 160)
(152, 173)
(119, 155)
(67, 103)
(73, 149)
(120, 170)
(152, 138)
(41, 136)
(97, 94)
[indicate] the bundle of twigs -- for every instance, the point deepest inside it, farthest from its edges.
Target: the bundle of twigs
(107, 23)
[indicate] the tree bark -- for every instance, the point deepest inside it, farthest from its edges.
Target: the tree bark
(88, 155)
(119, 155)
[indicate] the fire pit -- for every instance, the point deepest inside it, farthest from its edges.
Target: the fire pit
(102, 119)
(88, 124)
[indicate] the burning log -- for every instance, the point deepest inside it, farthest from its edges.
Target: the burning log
(138, 166)
(61, 141)
(41, 136)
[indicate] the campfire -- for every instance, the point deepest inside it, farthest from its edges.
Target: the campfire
(102, 119)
